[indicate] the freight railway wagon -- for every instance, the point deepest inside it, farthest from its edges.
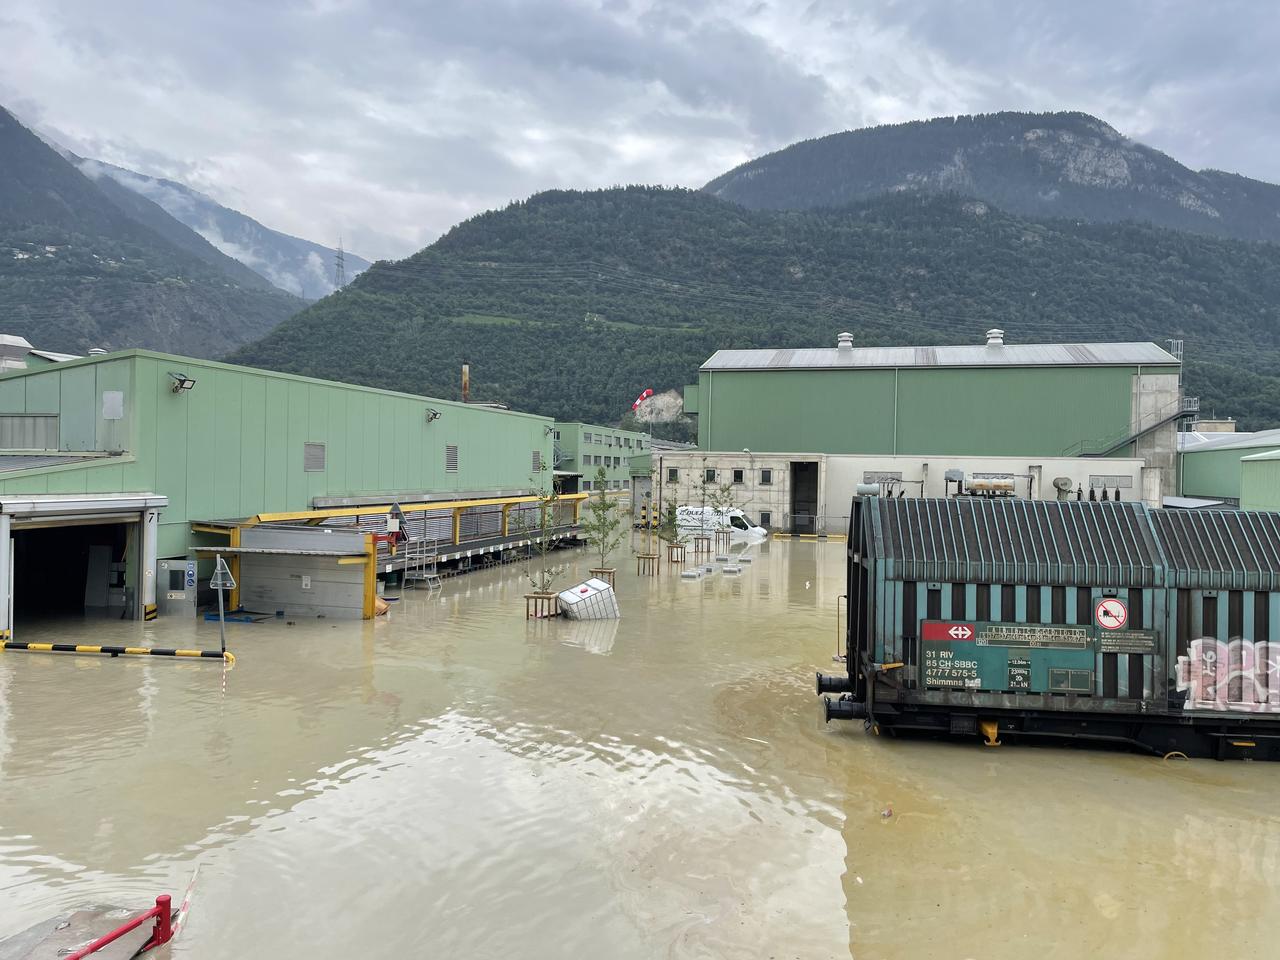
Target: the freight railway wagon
(1104, 622)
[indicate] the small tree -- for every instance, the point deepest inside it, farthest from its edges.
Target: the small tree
(603, 527)
(669, 526)
(542, 530)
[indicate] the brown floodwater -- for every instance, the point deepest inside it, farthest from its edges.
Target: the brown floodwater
(453, 781)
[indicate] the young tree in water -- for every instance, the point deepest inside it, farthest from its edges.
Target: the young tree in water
(669, 526)
(541, 529)
(603, 527)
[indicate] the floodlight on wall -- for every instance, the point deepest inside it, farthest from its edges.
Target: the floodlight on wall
(181, 382)
(432, 414)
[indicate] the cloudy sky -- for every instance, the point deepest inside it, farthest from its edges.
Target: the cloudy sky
(391, 120)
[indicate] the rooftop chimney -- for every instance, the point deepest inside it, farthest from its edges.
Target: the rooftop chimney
(13, 352)
(844, 342)
(466, 383)
(995, 338)
(97, 352)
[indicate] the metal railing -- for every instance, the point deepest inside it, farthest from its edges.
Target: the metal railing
(1100, 446)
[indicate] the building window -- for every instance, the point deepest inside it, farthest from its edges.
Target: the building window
(738, 476)
(451, 458)
(537, 461)
(766, 518)
(586, 484)
(626, 484)
(557, 434)
(586, 438)
(766, 477)
(709, 475)
(673, 475)
(313, 457)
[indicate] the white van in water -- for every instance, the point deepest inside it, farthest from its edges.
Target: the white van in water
(695, 520)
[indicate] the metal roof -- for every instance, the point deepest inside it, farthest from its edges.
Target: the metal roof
(29, 461)
(970, 540)
(961, 355)
(1269, 455)
(1199, 442)
(1220, 549)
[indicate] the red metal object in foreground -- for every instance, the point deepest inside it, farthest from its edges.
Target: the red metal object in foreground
(160, 933)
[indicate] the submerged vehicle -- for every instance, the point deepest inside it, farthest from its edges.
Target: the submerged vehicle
(1111, 623)
(714, 519)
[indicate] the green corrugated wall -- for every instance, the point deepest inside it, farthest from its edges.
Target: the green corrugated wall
(1260, 485)
(233, 446)
(1215, 473)
(1041, 411)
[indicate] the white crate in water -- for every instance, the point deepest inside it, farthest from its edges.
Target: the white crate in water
(590, 600)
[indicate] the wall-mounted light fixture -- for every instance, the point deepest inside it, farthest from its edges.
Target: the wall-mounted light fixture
(181, 382)
(432, 414)
(548, 431)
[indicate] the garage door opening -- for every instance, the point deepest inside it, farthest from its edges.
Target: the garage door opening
(73, 571)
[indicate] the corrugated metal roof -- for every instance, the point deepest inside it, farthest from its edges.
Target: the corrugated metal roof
(962, 355)
(1015, 541)
(29, 461)
(1221, 550)
(1269, 455)
(1199, 442)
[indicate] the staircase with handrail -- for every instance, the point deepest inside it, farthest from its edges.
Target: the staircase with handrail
(1180, 409)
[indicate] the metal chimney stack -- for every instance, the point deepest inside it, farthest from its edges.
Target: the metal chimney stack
(995, 338)
(844, 342)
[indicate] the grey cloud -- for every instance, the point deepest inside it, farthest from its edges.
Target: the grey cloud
(390, 121)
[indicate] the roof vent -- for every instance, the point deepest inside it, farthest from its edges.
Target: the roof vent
(13, 352)
(844, 341)
(995, 338)
(97, 352)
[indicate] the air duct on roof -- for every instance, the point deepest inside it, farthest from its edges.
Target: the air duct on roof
(97, 352)
(13, 352)
(844, 341)
(995, 338)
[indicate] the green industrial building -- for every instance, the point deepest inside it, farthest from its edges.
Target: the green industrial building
(109, 460)
(990, 399)
(1260, 481)
(582, 449)
(1211, 462)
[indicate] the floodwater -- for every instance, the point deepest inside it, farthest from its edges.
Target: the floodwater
(453, 781)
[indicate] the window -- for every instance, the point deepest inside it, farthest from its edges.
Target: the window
(557, 434)
(537, 461)
(709, 474)
(628, 441)
(586, 438)
(626, 484)
(313, 457)
(766, 517)
(586, 484)
(451, 458)
(673, 475)
(766, 477)
(738, 476)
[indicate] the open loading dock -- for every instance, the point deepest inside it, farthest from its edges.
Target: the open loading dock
(1109, 622)
(77, 555)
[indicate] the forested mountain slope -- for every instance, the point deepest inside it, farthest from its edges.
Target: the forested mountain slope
(1033, 164)
(569, 303)
(82, 268)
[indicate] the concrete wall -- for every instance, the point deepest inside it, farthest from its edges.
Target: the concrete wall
(233, 446)
(994, 411)
(839, 475)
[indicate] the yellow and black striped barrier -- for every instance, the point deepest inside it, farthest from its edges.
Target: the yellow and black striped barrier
(226, 656)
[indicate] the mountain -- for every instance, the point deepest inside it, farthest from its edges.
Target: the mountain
(297, 266)
(571, 303)
(82, 266)
(1032, 164)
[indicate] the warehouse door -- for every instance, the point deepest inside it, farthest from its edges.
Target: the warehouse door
(72, 570)
(804, 496)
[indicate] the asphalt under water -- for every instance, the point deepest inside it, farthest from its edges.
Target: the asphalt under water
(453, 781)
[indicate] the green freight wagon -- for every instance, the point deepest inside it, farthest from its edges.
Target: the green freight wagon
(1104, 622)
